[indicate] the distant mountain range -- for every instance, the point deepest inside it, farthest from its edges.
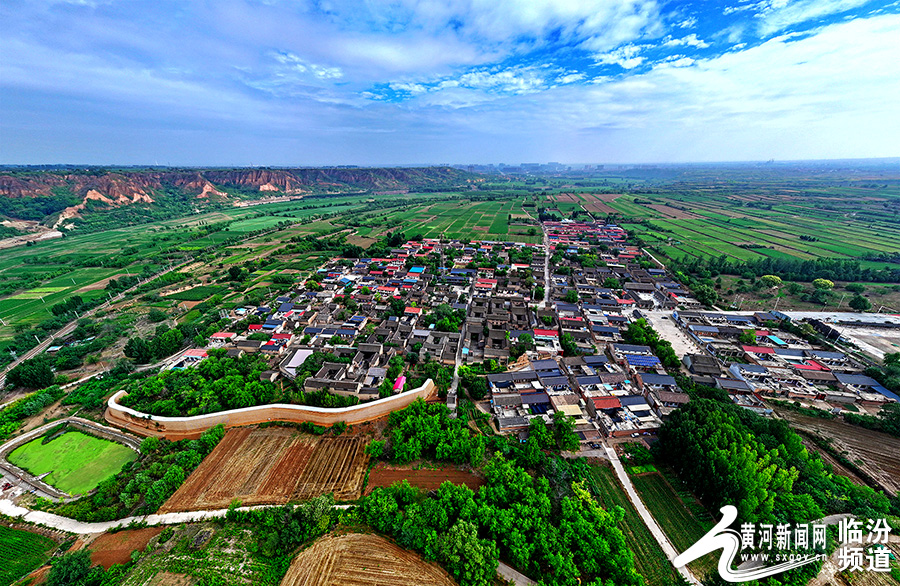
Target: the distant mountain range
(64, 197)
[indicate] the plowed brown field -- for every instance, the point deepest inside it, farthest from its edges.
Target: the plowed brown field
(362, 560)
(876, 453)
(383, 475)
(116, 548)
(272, 466)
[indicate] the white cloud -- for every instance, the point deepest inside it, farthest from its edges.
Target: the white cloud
(570, 78)
(777, 15)
(691, 41)
(627, 57)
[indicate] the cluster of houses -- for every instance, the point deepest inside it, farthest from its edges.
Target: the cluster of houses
(367, 311)
(776, 364)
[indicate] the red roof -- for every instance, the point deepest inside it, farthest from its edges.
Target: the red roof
(282, 336)
(254, 327)
(624, 301)
(413, 310)
(810, 365)
(758, 349)
(546, 333)
(606, 402)
(195, 353)
(222, 335)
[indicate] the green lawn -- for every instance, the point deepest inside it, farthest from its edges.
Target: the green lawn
(77, 462)
(21, 552)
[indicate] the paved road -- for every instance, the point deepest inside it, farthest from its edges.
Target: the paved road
(70, 327)
(661, 538)
(509, 573)
(543, 302)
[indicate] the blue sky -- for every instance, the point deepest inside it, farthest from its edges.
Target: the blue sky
(270, 82)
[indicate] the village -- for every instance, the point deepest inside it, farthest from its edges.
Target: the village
(530, 330)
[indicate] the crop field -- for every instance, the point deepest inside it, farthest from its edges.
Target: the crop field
(77, 462)
(649, 557)
(678, 514)
(273, 466)
(424, 478)
(21, 552)
(33, 305)
(361, 560)
(833, 222)
(116, 548)
(876, 453)
(476, 220)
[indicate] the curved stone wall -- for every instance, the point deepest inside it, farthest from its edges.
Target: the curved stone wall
(177, 428)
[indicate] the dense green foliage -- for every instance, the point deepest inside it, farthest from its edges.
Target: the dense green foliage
(427, 431)
(34, 373)
(546, 524)
(215, 384)
(789, 269)
(729, 455)
(11, 417)
(279, 530)
(143, 485)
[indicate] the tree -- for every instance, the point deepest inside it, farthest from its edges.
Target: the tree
(855, 288)
(564, 432)
(138, 350)
(571, 296)
(71, 569)
(612, 283)
(771, 280)
(150, 444)
(472, 561)
(823, 284)
(747, 337)
(156, 316)
(706, 295)
(35, 373)
(860, 303)
(568, 345)
(538, 294)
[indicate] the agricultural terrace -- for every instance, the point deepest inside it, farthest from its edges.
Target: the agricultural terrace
(21, 552)
(359, 560)
(273, 465)
(74, 462)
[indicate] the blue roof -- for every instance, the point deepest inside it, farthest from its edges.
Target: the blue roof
(637, 360)
(417, 270)
(777, 340)
(285, 307)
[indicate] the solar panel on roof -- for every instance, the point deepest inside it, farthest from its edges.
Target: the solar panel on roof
(636, 360)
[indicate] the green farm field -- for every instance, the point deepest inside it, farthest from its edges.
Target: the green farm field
(649, 558)
(77, 462)
(679, 515)
(21, 552)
